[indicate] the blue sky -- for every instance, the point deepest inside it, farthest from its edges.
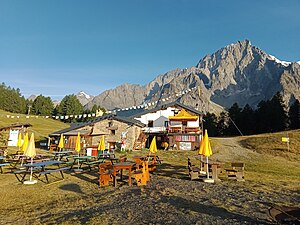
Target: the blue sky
(60, 47)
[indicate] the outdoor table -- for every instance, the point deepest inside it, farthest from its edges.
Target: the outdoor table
(80, 159)
(37, 168)
(214, 167)
(61, 154)
(122, 166)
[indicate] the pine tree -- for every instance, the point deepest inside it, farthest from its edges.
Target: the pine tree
(210, 123)
(42, 106)
(294, 115)
(69, 105)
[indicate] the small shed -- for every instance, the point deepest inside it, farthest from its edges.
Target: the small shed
(9, 134)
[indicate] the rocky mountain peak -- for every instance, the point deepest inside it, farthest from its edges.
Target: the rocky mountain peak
(238, 72)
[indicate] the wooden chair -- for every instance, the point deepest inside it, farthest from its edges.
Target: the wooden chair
(236, 172)
(141, 176)
(151, 166)
(123, 158)
(105, 173)
(194, 171)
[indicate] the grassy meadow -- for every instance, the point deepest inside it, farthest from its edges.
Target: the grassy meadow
(41, 127)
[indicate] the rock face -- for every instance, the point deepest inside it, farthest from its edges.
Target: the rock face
(239, 73)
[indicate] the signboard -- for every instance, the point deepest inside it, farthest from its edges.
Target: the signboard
(185, 145)
(285, 139)
(13, 137)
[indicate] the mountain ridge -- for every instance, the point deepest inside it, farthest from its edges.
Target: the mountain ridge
(239, 72)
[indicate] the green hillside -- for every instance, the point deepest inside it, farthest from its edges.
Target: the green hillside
(41, 127)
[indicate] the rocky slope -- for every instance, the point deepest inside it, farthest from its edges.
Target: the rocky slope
(239, 73)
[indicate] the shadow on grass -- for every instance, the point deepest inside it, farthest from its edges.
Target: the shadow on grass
(86, 175)
(72, 187)
(182, 203)
(174, 171)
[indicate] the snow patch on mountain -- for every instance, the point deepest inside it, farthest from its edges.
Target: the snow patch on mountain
(284, 63)
(83, 94)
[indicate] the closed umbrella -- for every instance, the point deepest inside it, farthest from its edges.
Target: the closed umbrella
(77, 145)
(153, 147)
(101, 146)
(25, 143)
(24, 146)
(205, 149)
(77, 149)
(20, 141)
(61, 143)
(31, 153)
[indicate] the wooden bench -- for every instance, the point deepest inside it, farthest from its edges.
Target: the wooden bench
(123, 158)
(141, 177)
(20, 174)
(3, 165)
(236, 172)
(49, 171)
(92, 164)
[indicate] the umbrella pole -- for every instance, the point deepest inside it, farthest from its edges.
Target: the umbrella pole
(207, 167)
(30, 179)
(78, 161)
(201, 158)
(149, 157)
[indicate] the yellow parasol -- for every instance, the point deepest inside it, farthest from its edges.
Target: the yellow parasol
(153, 147)
(25, 143)
(30, 152)
(77, 145)
(205, 149)
(19, 143)
(101, 146)
(61, 142)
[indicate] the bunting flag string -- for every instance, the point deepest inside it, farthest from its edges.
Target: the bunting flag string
(145, 105)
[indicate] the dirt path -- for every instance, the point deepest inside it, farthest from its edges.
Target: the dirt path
(230, 149)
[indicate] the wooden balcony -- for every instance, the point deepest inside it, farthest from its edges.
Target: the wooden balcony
(192, 130)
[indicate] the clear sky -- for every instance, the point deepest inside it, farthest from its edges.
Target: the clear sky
(60, 47)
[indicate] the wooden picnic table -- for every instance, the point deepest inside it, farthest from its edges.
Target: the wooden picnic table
(60, 155)
(79, 160)
(120, 167)
(214, 165)
(38, 169)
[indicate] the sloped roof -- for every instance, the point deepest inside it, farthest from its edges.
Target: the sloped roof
(161, 107)
(17, 125)
(76, 126)
(183, 115)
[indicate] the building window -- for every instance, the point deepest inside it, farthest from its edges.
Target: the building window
(113, 132)
(110, 123)
(150, 123)
(166, 123)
